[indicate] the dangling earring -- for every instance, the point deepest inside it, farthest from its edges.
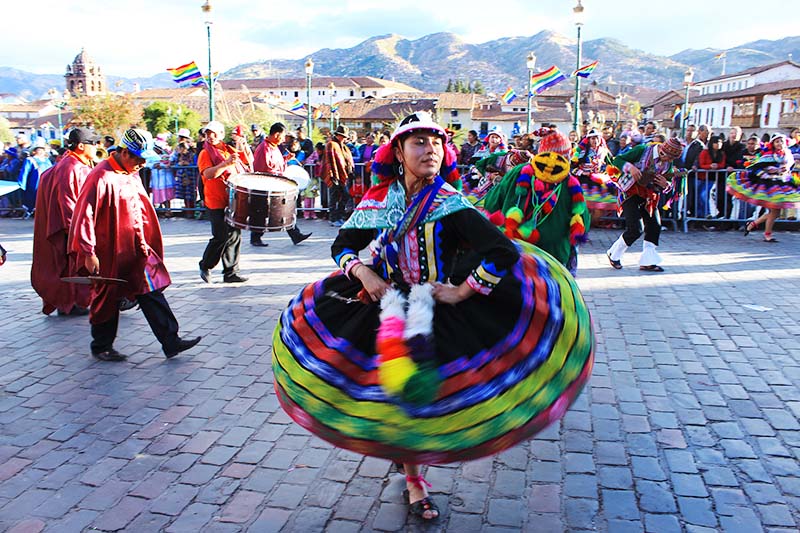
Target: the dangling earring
(400, 170)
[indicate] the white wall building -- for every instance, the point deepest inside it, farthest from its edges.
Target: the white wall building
(715, 104)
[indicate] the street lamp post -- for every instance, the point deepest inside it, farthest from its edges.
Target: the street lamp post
(309, 72)
(60, 105)
(687, 81)
(531, 64)
(331, 88)
(577, 13)
(207, 10)
(618, 100)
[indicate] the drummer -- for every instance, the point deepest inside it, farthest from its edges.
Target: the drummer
(216, 162)
(269, 159)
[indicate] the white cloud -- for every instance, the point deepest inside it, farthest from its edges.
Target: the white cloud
(149, 36)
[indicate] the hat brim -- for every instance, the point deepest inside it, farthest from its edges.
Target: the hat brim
(148, 155)
(418, 126)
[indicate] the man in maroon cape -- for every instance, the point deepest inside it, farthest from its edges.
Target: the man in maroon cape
(55, 200)
(115, 234)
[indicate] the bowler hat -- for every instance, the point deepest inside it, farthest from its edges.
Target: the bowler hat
(342, 130)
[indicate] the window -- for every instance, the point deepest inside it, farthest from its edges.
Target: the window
(297, 94)
(484, 129)
(352, 92)
(722, 121)
(766, 114)
(454, 112)
(711, 120)
(363, 93)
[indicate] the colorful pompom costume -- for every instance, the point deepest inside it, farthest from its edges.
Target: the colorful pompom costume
(541, 204)
(420, 382)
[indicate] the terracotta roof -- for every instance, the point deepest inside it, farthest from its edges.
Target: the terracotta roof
(20, 108)
(763, 88)
(378, 109)
(169, 93)
(494, 112)
(751, 71)
(365, 82)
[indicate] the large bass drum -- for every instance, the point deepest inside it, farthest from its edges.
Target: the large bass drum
(262, 202)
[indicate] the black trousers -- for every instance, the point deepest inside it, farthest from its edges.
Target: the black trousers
(157, 313)
(338, 201)
(224, 244)
(638, 220)
(294, 233)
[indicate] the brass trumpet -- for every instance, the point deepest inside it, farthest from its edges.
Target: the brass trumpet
(100, 154)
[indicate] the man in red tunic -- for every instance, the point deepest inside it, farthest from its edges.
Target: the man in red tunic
(268, 158)
(55, 200)
(115, 233)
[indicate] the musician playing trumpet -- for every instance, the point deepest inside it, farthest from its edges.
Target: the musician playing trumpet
(646, 173)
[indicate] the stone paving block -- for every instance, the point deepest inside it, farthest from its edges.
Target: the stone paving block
(29, 525)
(504, 512)
(148, 521)
(105, 496)
(655, 497)
(60, 502)
(742, 520)
(620, 504)
(660, 523)
(580, 486)
(174, 500)
(580, 513)
(120, 515)
(241, 507)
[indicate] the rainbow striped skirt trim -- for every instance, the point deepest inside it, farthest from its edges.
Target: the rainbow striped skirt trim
(599, 192)
(489, 400)
(772, 194)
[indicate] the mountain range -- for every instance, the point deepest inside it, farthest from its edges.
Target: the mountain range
(430, 61)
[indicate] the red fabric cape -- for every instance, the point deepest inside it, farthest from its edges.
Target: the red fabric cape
(115, 220)
(55, 200)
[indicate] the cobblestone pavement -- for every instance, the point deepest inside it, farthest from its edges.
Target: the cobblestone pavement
(690, 421)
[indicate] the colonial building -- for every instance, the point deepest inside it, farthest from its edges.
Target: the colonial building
(324, 89)
(84, 77)
(755, 99)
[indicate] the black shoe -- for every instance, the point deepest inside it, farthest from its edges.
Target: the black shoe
(183, 345)
(616, 264)
(125, 304)
(234, 278)
(75, 311)
(258, 242)
(205, 275)
(110, 355)
(298, 237)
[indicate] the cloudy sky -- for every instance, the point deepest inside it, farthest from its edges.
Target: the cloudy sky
(145, 37)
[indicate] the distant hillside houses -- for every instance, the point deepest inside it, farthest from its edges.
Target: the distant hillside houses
(763, 99)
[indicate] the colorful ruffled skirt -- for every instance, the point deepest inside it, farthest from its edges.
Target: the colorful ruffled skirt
(162, 185)
(510, 364)
(599, 192)
(769, 193)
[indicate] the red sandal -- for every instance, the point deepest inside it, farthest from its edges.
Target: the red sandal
(425, 505)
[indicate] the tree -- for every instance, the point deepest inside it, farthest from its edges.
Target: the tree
(108, 113)
(160, 117)
(449, 86)
(477, 87)
(5, 131)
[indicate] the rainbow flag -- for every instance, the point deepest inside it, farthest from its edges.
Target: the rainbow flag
(508, 96)
(316, 113)
(334, 108)
(546, 79)
(721, 55)
(297, 105)
(584, 72)
(187, 75)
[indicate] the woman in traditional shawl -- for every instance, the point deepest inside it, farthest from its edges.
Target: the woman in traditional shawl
(449, 344)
